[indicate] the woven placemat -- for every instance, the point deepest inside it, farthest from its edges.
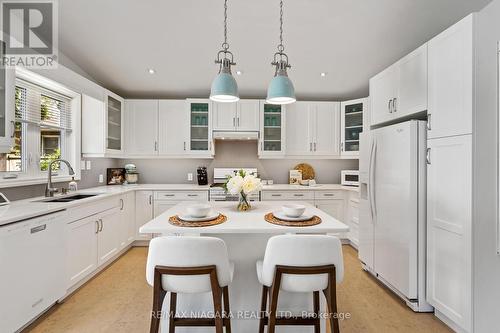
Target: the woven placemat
(174, 220)
(274, 220)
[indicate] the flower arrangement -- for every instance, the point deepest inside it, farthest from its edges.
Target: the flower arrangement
(243, 184)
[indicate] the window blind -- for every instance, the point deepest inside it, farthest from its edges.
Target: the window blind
(42, 107)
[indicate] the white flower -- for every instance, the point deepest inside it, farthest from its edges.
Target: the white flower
(235, 184)
(251, 184)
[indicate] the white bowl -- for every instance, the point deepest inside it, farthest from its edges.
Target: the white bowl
(198, 210)
(294, 210)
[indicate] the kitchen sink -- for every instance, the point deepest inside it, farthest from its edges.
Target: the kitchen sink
(69, 198)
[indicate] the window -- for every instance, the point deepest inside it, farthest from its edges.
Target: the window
(43, 132)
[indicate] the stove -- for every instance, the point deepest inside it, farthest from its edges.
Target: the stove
(217, 192)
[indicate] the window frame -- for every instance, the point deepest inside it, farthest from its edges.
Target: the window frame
(31, 138)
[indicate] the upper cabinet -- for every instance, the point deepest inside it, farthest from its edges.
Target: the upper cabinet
(315, 127)
(102, 126)
(7, 106)
(142, 127)
(240, 116)
(173, 125)
(451, 84)
(352, 120)
(400, 90)
(272, 130)
(200, 127)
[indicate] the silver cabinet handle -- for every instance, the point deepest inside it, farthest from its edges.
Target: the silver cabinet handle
(315, 146)
(394, 104)
(156, 146)
(429, 121)
(184, 145)
(428, 156)
(328, 194)
(310, 146)
(13, 129)
(38, 228)
(238, 121)
(389, 106)
(192, 195)
(234, 122)
(102, 225)
(298, 195)
(169, 195)
(122, 204)
(97, 227)
(262, 146)
(276, 195)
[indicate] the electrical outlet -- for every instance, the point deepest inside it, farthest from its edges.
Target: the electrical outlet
(82, 165)
(190, 176)
(89, 164)
(101, 179)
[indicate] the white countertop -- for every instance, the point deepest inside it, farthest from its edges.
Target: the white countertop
(243, 222)
(25, 209)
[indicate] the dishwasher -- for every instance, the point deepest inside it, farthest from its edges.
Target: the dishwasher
(32, 254)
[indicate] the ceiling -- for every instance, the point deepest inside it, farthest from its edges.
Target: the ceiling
(116, 41)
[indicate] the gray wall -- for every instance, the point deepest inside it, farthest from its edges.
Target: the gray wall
(89, 179)
(486, 262)
(235, 154)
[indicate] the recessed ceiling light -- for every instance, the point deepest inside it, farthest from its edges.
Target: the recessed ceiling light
(323, 74)
(151, 71)
(239, 72)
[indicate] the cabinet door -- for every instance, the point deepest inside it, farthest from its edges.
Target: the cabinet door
(200, 142)
(247, 118)
(108, 238)
(142, 119)
(327, 126)
(224, 116)
(143, 212)
(383, 90)
(272, 130)
(114, 123)
(352, 123)
(300, 121)
(449, 219)
(412, 96)
(81, 257)
(451, 81)
(333, 208)
(173, 125)
(7, 102)
(93, 127)
(161, 206)
(127, 219)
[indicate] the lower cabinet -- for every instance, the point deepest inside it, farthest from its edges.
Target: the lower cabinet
(334, 208)
(127, 219)
(164, 200)
(108, 240)
(143, 212)
(353, 217)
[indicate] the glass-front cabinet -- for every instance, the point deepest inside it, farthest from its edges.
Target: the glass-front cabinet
(352, 114)
(7, 126)
(272, 130)
(114, 123)
(200, 132)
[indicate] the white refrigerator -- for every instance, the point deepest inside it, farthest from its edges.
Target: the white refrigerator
(392, 209)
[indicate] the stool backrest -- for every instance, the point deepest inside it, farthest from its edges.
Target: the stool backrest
(186, 251)
(303, 251)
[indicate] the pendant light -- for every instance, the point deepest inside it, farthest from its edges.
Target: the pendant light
(281, 90)
(224, 87)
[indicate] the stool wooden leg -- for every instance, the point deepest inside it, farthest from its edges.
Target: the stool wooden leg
(158, 297)
(263, 307)
(331, 300)
(227, 310)
(217, 298)
(173, 310)
(317, 327)
(273, 301)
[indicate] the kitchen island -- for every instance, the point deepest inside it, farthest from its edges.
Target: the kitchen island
(246, 235)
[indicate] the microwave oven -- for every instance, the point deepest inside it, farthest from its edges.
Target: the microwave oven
(349, 177)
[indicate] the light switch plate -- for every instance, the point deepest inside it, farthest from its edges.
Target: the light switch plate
(89, 165)
(101, 179)
(190, 176)
(82, 165)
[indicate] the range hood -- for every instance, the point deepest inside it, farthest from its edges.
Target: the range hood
(235, 136)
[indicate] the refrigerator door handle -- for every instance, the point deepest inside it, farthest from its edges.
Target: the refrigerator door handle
(371, 181)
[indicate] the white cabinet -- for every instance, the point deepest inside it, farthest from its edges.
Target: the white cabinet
(161, 206)
(164, 200)
(103, 126)
(143, 212)
(108, 241)
(353, 217)
(81, 257)
(240, 116)
(449, 223)
(315, 129)
(142, 127)
(173, 127)
(127, 219)
(334, 208)
(272, 138)
(7, 107)
(352, 123)
(401, 89)
(451, 84)
(200, 128)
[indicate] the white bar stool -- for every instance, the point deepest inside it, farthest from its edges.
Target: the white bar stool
(189, 265)
(300, 263)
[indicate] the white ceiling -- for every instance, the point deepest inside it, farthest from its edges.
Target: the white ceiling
(115, 41)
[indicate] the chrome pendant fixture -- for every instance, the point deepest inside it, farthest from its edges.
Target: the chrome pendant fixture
(281, 90)
(224, 87)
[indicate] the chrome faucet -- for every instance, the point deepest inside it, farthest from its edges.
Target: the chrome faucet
(49, 190)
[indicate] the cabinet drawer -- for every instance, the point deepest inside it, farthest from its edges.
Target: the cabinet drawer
(328, 195)
(287, 195)
(182, 195)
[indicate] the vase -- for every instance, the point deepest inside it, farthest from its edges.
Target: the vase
(243, 203)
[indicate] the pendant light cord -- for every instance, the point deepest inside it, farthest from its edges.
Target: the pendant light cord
(281, 47)
(225, 45)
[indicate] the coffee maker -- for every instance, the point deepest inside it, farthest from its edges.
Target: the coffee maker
(202, 176)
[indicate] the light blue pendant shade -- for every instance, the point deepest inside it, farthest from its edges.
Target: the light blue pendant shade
(224, 88)
(281, 90)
